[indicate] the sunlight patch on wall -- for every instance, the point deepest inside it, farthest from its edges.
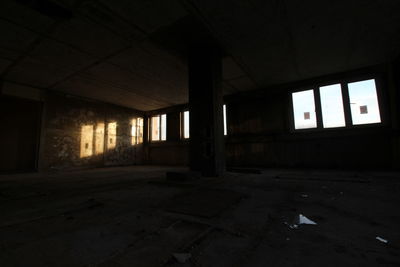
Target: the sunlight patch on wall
(99, 139)
(86, 141)
(111, 135)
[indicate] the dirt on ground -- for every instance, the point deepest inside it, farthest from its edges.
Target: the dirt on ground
(133, 216)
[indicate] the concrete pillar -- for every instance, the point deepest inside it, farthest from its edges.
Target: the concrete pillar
(394, 90)
(207, 149)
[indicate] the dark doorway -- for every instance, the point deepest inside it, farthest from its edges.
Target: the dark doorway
(19, 134)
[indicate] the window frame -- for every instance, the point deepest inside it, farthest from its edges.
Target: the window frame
(160, 127)
(139, 134)
(182, 124)
(225, 119)
(315, 86)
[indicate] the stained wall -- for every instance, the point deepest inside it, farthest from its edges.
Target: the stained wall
(79, 133)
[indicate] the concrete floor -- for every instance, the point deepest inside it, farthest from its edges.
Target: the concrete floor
(132, 216)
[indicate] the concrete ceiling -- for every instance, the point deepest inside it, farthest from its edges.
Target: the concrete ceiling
(104, 49)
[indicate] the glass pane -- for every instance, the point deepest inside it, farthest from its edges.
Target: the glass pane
(364, 102)
(304, 110)
(164, 127)
(332, 106)
(225, 127)
(155, 128)
(140, 130)
(186, 124)
(134, 132)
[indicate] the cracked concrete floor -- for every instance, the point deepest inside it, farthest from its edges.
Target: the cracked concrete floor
(132, 216)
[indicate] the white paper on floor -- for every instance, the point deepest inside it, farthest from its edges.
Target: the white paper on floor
(304, 220)
(300, 220)
(381, 239)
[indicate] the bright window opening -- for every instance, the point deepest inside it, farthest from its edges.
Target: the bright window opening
(225, 125)
(159, 127)
(364, 102)
(186, 133)
(304, 110)
(163, 127)
(137, 131)
(155, 128)
(332, 106)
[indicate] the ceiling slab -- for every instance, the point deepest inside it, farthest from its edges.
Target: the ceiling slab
(89, 37)
(125, 52)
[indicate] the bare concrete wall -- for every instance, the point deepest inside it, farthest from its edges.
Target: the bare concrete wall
(174, 151)
(169, 154)
(260, 134)
(63, 130)
(19, 134)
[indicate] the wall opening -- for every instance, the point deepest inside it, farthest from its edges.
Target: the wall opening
(304, 110)
(332, 106)
(158, 125)
(364, 102)
(136, 131)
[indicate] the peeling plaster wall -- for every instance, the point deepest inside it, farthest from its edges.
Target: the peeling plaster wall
(63, 120)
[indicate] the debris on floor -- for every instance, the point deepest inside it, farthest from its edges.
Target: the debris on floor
(382, 240)
(304, 220)
(301, 219)
(182, 257)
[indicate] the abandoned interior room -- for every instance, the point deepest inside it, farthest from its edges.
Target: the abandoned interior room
(199, 133)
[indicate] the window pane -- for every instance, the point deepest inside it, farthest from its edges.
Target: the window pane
(134, 132)
(225, 127)
(164, 127)
(304, 110)
(332, 106)
(364, 102)
(140, 130)
(186, 124)
(155, 128)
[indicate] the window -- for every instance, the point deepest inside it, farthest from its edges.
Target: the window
(225, 126)
(185, 126)
(332, 106)
(185, 133)
(304, 110)
(158, 126)
(362, 103)
(137, 131)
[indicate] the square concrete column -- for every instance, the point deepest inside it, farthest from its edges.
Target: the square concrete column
(207, 148)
